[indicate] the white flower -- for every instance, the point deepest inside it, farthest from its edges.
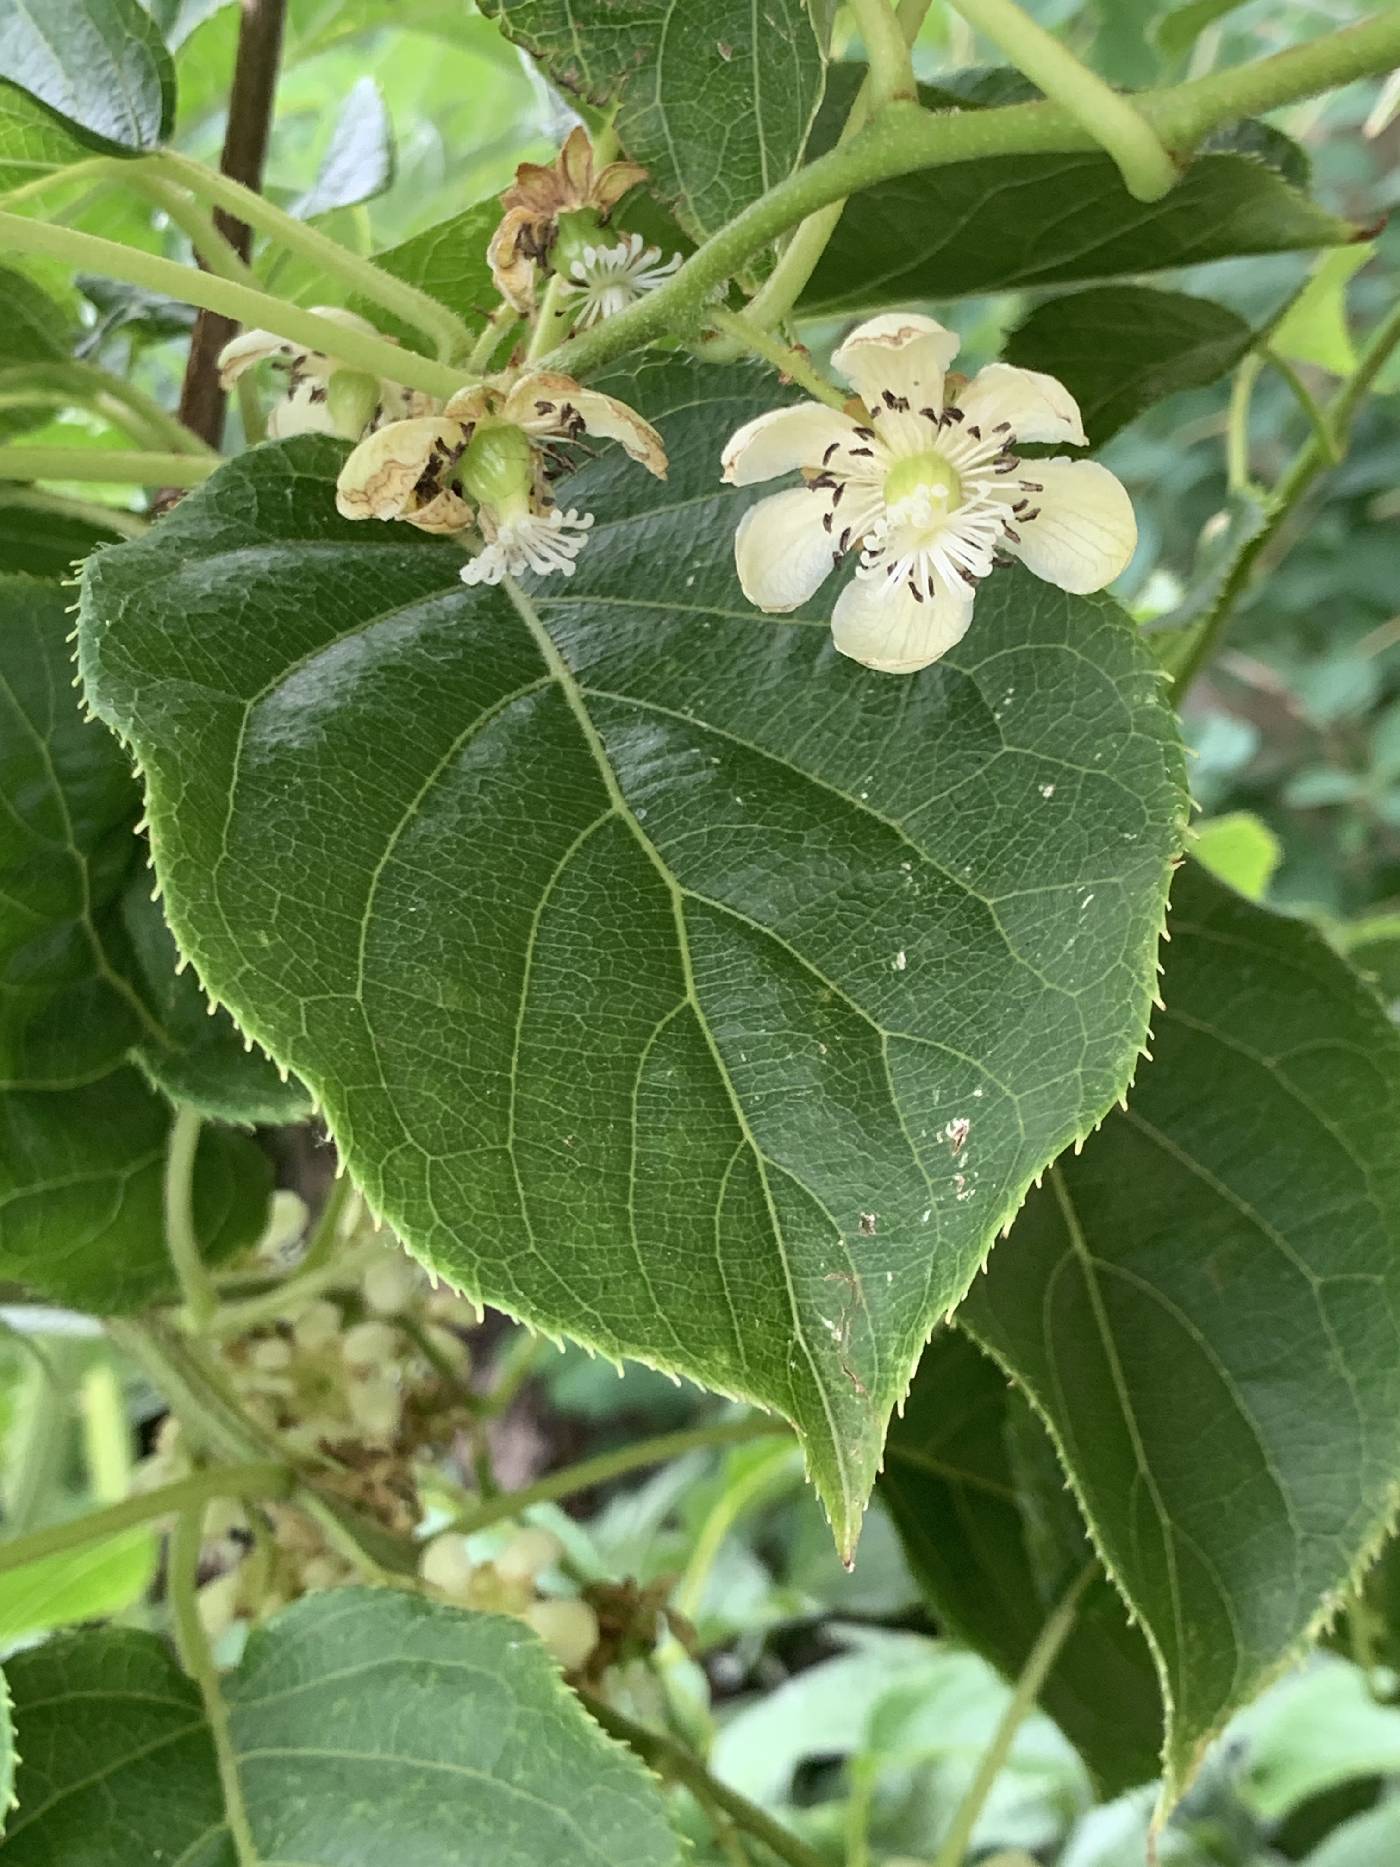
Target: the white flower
(500, 449)
(323, 396)
(927, 488)
(607, 279)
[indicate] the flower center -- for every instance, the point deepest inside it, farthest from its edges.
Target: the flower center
(929, 475)
(496, 468)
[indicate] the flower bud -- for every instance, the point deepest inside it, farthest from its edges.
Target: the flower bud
(445, 1564)
(527, 1553)
(390, 1283)
(369, 1345)
(568, 1628)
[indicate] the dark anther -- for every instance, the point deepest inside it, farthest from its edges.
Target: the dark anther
(836, 495)
(866, 434)
(544, 408)
(1020, 505)
(968, 576)
(1033, 486)
(974, 431)
(869, 452)
(844, 541)
(953, 413)
(830, 451)
(915, 591)
(1002, 427)
(1012, 534)
(826, 520)
(1034, 513)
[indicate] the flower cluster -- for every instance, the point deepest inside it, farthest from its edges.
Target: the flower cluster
(489, 460)
(321, 396)
(922, 481)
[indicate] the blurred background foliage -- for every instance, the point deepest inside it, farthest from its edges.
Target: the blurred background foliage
(826, 1696)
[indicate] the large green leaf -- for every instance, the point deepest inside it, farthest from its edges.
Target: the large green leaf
(666, 979)
(76, 1585)
(1120, 348)
(1007, 222)
(716, 100)
(101, 64)
(973, 1486)
(81, 1174)
(1203, 1306)
(364, 1726)
(87, 968)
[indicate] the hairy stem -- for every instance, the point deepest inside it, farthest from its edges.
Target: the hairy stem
(886, 51)
(192, 1643)
(80, 511)
(181, 1240)
(608, 1465)
(116, 466)
(1042, 1657)
(1306, 400)
(1113, 120)
(1312, 460)
(794, 364)
(356, 349)
(448, 333)
(798, 259)
(905, 137)
(671, 1759)
(249, 125)
(262, 1478)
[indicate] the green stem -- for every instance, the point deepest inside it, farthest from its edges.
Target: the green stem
(731, 1505)
(1305, 467)
(608, 1465)
(250, 1479)
(106, 1435)
(791, 363)
(1042, 1657)
(81, 511)
(334, 1223)
(356, 349)
(1308, 403)
(193, 1646)
(551, 319)
(798, 259)
(94, 169)
(34, 1454)
(119, 401)
(495, 328)
(449, 334)
(196, 1286)
(671, 1759)
(198, 226)
(209, 1411)
(1110, 118)
(288, 1293)
(115, 466)
(1237, 478)
(886, 52)
(905, 137)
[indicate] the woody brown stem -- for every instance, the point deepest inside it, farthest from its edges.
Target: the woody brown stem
(244, 153)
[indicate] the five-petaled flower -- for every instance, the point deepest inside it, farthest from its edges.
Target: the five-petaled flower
(604, 280)
(323, 396)
(539, 197)
(927, 486)
(489, 459)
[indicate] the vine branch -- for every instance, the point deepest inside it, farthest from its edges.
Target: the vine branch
(244, 154)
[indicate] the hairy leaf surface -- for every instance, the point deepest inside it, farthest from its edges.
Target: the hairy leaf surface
(667, 979)
(716, 100)
(1205, 1306)
(365, 1726)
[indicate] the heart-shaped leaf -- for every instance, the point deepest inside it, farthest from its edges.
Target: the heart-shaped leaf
(363, 1725)
(667, 980)
(1205, 1307)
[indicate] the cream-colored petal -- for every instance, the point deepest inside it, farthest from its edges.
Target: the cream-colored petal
(304, 411)
(574, 167)
(888, 628)
(252, 347)
(901, 352)
(782, 550)
(782, 439)
(473, 403)
(512, 269)
(1038, 407)
(547, 403)
(381, 479)
(616, 180)
(1084, 531)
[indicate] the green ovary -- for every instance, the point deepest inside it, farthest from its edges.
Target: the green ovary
(927, 473)
(496, 468)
